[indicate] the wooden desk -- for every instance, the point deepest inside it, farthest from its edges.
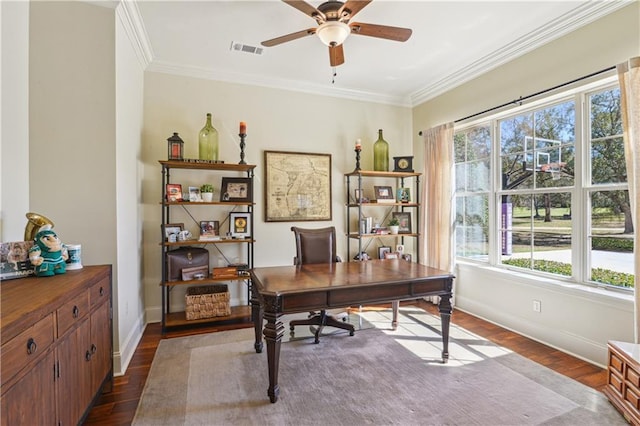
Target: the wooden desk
(283, 290)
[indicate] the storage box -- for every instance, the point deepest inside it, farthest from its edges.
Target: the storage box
(229, 271)
(207, 302)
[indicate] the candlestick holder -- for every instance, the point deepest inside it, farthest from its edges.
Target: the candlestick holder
(242, 145)
(357, 151)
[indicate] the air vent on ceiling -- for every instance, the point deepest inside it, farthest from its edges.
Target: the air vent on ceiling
(246, 48)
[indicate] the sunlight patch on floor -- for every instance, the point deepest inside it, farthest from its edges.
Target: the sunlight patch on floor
(420, 333)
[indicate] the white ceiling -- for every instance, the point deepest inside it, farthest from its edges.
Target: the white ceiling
(452, 42)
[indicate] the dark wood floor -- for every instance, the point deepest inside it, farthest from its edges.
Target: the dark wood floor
(118, 407)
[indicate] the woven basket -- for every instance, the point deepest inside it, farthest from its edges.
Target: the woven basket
(207, 302)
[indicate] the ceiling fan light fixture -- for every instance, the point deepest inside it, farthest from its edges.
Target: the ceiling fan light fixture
(333, 33)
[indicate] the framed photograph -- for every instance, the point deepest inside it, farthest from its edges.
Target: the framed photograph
(297, 186)
(236, 190)
(399, 249)
(405, 221)
(391, 255)
(403, 195)
(384, 194)
(174, 192)
(382, 251)
(194, 194)
(209, 228)
(407, 257)
(240, 224)
(172, 229)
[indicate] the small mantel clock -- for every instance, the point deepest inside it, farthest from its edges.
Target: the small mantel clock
(403, 164)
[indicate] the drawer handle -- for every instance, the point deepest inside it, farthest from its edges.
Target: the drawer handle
(94, 348)
(101, 291)
(87, 356)
(31, 346)
(75, 312)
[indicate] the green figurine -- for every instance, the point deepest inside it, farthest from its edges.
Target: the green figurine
(48, 255)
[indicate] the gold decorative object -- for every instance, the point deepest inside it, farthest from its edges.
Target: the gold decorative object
(35, 221)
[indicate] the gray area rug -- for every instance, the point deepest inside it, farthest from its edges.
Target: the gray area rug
(378, 376)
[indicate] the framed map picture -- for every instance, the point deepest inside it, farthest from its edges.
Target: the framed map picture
(297, 186)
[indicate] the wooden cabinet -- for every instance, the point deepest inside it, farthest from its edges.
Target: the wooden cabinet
(623, 384)
(56, 346)
(207, 210)
(363, 183)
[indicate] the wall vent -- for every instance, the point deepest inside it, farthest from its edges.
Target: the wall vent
(240, 47)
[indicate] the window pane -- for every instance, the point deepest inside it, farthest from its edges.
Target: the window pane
(605, 114)
(612, 235)
(607, 161)
(517, 171)
(472, 226)
(513, 134)
(541, 233)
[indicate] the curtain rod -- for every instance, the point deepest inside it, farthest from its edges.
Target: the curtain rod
(521, 98)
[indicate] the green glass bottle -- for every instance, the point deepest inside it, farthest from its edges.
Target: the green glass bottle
(381, 154)
(208, 141)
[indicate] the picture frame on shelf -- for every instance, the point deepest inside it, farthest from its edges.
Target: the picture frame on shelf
(405, 221)
(382, 250)
(194, 194)
(174, 192)
(209, 230)
(403, 195)
(407, 257)
(171, 229)
(384, 194)
(400, 249)
(240, 224)
(234, 190)
(297, 186)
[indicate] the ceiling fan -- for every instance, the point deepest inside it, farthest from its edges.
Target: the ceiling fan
(334, 27)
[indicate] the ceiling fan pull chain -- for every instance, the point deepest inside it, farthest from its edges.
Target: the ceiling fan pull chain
(333, 76)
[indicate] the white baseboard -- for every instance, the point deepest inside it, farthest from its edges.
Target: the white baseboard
(122, 358)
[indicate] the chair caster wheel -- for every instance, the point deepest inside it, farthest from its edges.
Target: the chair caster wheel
(352, 333)
(291, 328)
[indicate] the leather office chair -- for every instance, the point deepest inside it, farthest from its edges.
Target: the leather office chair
(317, 246)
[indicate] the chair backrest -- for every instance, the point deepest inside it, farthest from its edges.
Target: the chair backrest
(315, 245)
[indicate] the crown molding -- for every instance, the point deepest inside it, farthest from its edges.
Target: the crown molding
(563, 25)
(129, 15)
(274, 83)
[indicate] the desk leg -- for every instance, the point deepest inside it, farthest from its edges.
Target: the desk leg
(445, 318)
(257, 318)
(395, 306)
(273, 332)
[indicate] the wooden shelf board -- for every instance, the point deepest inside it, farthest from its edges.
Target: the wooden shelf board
(195, 242)
(174, 164)
(238, 314)
(372, 173)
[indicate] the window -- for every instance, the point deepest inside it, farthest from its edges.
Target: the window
(560, 202)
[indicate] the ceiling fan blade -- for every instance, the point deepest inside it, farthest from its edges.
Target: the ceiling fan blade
(381, 31)
(336, 55)
(288, 37)
(303, 7)
(354, 6)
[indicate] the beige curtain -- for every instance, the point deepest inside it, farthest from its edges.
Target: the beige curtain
(436, 248)
(629, 78)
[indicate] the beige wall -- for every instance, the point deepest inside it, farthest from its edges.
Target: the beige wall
(573, 319)
(277, 120)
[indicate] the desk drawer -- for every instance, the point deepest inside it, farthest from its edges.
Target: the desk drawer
(26, 347)
(72, 312)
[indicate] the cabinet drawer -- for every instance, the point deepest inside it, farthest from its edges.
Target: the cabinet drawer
(99, 292)
(632, 376)
(631, 395)
(615, 361)
(26, 347)
(72, 312)
(615, 382)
